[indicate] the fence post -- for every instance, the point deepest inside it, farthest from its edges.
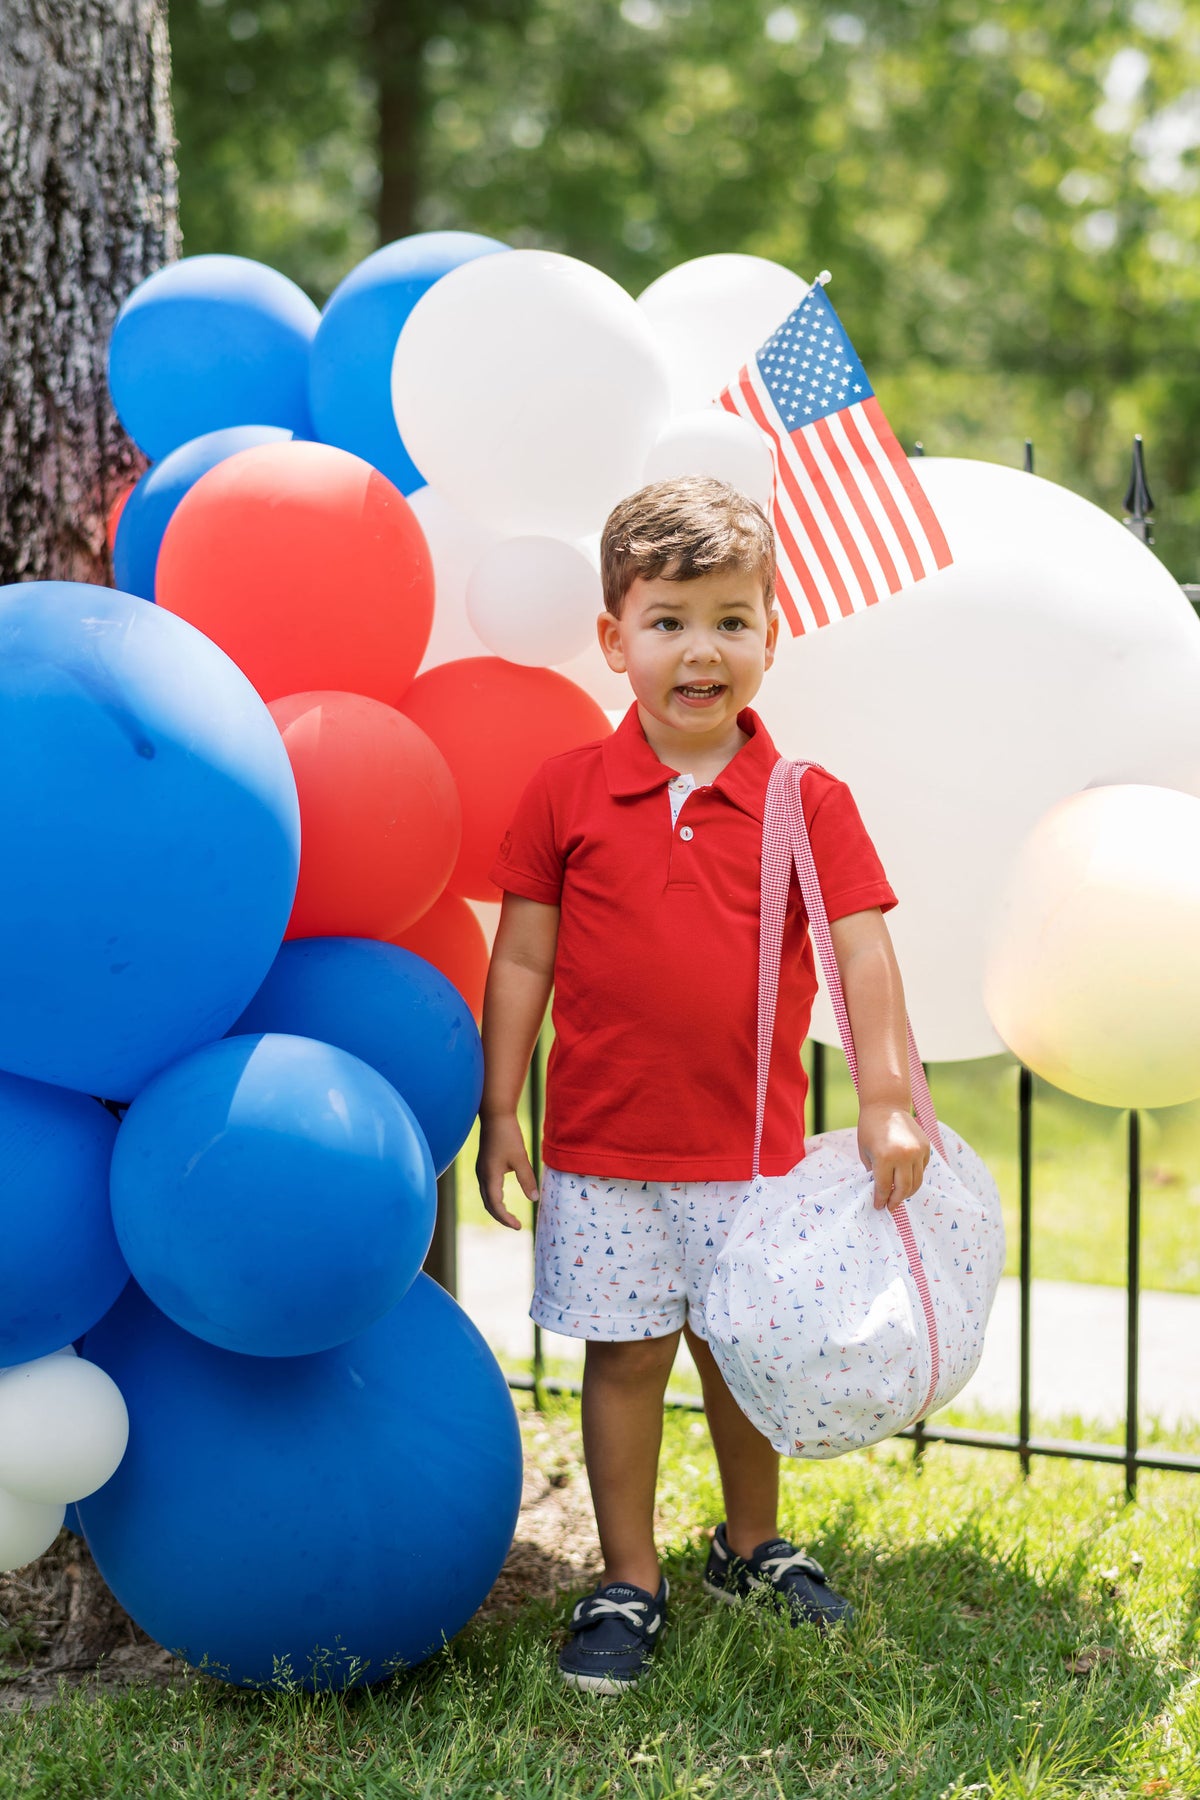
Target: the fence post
(1025, 1151)
(1133, 1294)
(442, 1259)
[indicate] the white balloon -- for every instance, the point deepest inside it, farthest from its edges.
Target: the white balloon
(27, 1529)
(710, 315)
(715, 442)
(534, 600)
(1055, 654)
(589, 671)
(488, 914)
(456, 544)
(63, 1429)
(529, 394)
(1092, 974)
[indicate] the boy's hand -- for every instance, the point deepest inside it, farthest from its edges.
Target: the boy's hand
(895, 1149)
(501, 1148)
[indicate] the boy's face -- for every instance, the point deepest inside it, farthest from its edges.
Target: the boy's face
(695, 651)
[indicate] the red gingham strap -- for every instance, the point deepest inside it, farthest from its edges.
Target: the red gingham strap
(785, 841)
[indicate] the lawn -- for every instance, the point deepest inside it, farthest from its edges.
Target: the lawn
(1079, 1177)
(1034, 1639)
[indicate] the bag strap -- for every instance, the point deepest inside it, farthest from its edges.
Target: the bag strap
(786, 842)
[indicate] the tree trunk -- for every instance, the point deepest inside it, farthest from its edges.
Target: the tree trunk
(87, 210)
(398, 37)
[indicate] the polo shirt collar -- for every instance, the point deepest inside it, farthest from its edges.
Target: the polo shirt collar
(631, 766)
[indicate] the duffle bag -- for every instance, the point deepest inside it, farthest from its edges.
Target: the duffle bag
(836, 1323)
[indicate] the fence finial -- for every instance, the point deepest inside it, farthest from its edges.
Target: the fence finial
(1029, 456)
(1139, 503)
(918, 448)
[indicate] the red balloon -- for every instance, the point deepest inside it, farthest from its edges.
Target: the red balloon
(495, 722)
(114, 516)
(379, 816)
(451, 938)
(308, 568)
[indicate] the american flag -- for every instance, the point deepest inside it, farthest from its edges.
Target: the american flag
(851, 518)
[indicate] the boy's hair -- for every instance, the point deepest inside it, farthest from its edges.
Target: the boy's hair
(680, 529)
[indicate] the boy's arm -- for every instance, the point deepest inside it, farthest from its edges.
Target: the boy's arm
(890, 1141)
(514, 1004)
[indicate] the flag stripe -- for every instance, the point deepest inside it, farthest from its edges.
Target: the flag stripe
(912, 487)
(791, 548)
(879, 483)
(817, 539)
(785, 565)
(846, 477)
(801, 446)
(841, 425)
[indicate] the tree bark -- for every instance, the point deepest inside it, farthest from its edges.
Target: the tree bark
(398, 37)
(88, 208)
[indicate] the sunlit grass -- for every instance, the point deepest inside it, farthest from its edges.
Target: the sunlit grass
(1034, 1639)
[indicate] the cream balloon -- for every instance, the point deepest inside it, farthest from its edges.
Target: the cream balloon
(488, 914)
(456, 544)
(531, 396)
(534, 600)
(1092, 975)
(717, 443)
(710, 315)
(1055, 654)
(27, 1529)
(63, 1429)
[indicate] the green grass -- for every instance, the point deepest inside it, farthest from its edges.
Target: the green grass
(1034, 1639)
(1079, 1182)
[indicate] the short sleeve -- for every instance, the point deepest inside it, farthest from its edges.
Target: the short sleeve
(848, 867)
(529, 862)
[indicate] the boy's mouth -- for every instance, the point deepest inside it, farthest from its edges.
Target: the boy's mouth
(701, 690)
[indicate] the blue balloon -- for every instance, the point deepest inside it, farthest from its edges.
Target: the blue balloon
(208, 342)
(150, 832)
(393, 1009)
(61, 1269)
(350, 376)
(323, 1519)
(272, 1195)
(148, 510)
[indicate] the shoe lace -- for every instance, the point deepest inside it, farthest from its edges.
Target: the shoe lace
(775, 1568)
(598, 1608)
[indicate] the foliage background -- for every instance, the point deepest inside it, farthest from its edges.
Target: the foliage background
(1006, 190)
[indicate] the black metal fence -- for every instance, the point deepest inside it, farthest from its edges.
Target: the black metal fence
(1132, 1456)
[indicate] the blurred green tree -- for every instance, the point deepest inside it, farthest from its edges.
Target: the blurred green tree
(1006, 190)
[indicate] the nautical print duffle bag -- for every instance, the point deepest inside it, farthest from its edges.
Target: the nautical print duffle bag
(834, 1323)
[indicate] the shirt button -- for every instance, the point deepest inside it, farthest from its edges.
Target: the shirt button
(686, 833)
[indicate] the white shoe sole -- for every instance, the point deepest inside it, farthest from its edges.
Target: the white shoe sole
(596, 1684)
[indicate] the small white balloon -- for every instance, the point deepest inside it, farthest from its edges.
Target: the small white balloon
(714, 442)
(528, 388)
(488, 914)
(63, 1429)
(710, 315)
(534, 600)
(1092, 975)
(27, 1529)
(456, 544)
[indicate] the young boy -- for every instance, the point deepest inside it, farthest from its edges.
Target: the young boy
(631, 886)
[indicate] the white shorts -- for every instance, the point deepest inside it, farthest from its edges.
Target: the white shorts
(627, 1259)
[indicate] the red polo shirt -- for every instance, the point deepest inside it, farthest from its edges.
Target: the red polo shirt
(652, 1071)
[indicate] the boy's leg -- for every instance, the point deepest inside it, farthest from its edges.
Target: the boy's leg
(749, 1467)
(623, 1388)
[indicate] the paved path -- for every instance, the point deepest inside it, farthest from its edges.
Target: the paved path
(1078, 1337)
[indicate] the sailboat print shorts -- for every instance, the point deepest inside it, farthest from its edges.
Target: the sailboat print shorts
(627, 1259)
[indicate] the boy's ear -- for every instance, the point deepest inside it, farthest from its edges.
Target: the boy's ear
(772, 637)
(608, 630)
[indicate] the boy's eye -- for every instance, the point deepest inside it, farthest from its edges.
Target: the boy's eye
(671, 623)
(738, 624)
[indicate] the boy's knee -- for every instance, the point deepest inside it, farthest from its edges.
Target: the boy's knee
(637, 1361)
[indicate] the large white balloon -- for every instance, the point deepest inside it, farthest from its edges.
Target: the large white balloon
(714, 442)
(534, 600)
(1092, 974)
(710, 315)
(1055, 654)
(456, 544)
(529, 388)
(63, 1429)
(27, 1528)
